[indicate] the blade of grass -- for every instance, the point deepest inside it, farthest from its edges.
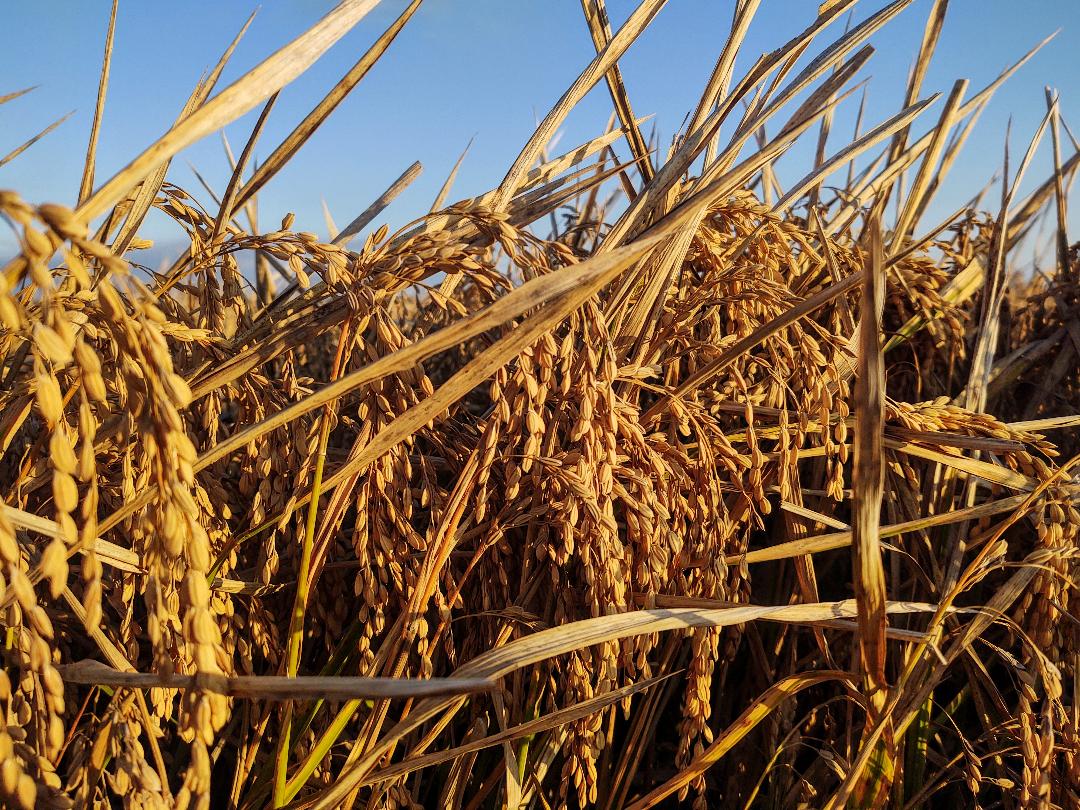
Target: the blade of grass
(379, 205)
(273, 687)
(761, 708)
(600, 30)
(87, 184)
(10, 156)
(253, 87)
(868, 485)
(444, 190)
(546, 644)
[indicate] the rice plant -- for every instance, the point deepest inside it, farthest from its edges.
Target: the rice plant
(637, 480)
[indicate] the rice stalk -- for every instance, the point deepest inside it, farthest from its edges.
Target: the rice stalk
(637, 479)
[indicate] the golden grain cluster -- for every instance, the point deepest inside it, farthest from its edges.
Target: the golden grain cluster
(638, 479)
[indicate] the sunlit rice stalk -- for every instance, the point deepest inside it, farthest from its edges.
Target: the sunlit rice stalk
(659, 474)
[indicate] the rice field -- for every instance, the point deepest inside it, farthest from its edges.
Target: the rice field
(638, 480)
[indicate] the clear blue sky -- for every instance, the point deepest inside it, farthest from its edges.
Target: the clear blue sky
(464, 68)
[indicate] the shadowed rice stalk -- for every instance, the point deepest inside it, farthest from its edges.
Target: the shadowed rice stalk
(637, 479)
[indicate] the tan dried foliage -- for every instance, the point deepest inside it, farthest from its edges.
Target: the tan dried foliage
(583, 499)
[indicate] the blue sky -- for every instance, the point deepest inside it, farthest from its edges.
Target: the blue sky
(465, 68)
